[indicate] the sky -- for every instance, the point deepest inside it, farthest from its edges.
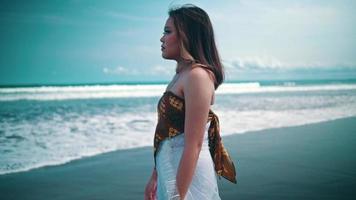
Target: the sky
(86, 41)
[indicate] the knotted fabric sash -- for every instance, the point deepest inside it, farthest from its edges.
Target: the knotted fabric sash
(171, 114)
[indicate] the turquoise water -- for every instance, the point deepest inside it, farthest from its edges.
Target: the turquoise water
(51, 125)
(262, 82)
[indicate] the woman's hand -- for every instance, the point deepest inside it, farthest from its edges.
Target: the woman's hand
(151, 187)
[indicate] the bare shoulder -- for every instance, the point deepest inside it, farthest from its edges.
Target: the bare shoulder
(197, 83)
(199, 74)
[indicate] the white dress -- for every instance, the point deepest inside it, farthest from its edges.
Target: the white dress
(204, 182)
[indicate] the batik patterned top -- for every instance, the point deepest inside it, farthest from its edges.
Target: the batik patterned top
(171, 115)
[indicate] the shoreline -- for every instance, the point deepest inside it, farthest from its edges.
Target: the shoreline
(133, 148)
(311, 161)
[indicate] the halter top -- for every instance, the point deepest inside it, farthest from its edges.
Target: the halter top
(171, 116)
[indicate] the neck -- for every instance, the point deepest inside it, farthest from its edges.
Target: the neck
(182, 65)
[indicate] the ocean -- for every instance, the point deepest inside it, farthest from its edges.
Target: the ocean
(52, 125)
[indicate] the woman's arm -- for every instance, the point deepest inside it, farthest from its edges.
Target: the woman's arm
(198, 90)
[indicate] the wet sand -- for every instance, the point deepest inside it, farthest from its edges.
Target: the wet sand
(315, 161)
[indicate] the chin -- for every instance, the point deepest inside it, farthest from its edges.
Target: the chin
(166, 57)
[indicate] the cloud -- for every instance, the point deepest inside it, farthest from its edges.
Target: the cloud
(253, 63)
(261, 63)
(120, 70)
(157, 70)
(300, 33)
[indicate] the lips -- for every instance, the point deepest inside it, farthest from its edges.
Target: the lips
(162, 48)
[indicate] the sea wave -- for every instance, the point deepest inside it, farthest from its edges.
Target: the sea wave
(49, 93)
(41, 133)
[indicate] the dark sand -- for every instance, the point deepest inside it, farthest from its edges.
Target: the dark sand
(316, 161)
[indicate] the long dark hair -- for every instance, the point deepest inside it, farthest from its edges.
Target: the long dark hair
(196, 35)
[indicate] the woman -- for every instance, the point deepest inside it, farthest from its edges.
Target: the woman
(187, 142)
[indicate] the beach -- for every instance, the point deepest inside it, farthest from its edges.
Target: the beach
(313, 161)
(82, 84)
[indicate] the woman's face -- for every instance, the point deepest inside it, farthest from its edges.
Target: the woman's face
(170, 47)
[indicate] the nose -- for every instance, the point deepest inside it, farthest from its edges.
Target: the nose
(162, 39)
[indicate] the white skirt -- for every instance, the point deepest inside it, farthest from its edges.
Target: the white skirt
(204, 183)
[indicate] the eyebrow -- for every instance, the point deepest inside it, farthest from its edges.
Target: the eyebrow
(167, 27)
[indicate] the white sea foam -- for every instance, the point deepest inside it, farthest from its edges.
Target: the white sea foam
(233, 122)
(80, 92)
(47, 93)
(60, 140)
(238, 88)
(43, 133)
